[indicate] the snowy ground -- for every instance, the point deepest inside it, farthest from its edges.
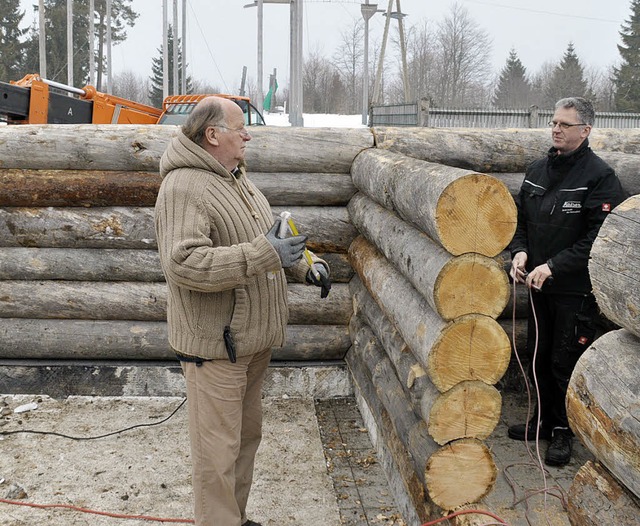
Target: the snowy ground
(316, 120)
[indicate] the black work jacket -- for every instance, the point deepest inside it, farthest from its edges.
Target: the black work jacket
(562, 203)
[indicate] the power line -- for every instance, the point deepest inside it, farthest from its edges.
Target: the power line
(537, 11)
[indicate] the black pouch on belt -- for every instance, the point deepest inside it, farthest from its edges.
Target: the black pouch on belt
(229, 344)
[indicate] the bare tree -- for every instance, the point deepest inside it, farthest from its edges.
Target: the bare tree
(130, 86)
(463, 59)
(603, 85)
(422, 62)
(540, 81)
(323, 89)
(347, 60)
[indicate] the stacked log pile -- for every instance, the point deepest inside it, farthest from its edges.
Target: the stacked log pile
(427, 349)
(79, 271)
(603, 400)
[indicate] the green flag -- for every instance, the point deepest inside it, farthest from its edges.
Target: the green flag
(267, 99)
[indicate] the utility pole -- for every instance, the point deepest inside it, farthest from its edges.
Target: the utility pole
(376, 86)
(295, 76)
(176, 85)
(259, 95)
(92, 41)
(183, 91)
(42, 47)
(165, 51)
(368, 10)
(108, 22)
(70, 43)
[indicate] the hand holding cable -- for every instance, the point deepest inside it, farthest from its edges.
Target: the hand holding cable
(536, 278)
(289, 249)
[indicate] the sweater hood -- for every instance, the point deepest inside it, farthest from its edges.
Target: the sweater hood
(182, 152)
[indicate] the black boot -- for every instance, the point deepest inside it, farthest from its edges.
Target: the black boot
(559, 452)
(517, 431)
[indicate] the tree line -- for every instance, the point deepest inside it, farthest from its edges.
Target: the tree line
(448, 62)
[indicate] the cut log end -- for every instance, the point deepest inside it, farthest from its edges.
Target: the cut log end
(473, 347)
(476, 213)
(459, 473)
(471, 284)
(469, 409)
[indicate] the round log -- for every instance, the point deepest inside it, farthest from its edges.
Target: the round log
(328, 228)
(495, 150)
(614, 266)
(602, 404)
(139, 147)
(470, 409)
(147, 301)
(596, 498)
(106, 264)
(453, 286)
(31, 339)
(459, 473)
(37, 188)
(460, 210)
(472, 347)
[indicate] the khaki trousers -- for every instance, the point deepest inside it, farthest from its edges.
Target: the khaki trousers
(224, 403)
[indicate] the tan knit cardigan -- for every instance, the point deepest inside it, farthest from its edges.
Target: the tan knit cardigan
(220, 268)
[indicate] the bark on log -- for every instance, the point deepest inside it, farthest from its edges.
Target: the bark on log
(146, 301)
(614, 266)
(29, 339)
(97, 264)
(603, 401)
(460, 210)
(38, 188)
(596, 498)
(467, 410)
(131, 148)
(387, 440)
(472, 347)
(453, 286)
(496, 150)
(430, 461)
(414, 377)
(328, 228)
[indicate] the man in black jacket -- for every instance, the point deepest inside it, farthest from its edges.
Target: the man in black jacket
(563, 201)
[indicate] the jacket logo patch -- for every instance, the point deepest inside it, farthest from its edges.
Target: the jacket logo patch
(572, 207)
(583, 340)
(606, 207)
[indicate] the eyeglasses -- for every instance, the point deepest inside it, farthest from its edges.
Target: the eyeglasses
(564, 125)
(241, 131)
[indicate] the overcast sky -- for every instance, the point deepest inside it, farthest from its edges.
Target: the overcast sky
(222, 34)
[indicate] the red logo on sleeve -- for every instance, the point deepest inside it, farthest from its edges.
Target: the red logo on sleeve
(606, 207)
(583, 340)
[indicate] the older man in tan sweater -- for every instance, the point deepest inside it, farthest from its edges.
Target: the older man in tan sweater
(227, 303)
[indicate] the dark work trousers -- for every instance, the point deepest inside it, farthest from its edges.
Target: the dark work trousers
(566, 326)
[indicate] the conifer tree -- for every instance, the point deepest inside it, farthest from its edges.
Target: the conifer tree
(514, 89)
(155, 91)
(567, 80)
(11, 45)
(627, 76)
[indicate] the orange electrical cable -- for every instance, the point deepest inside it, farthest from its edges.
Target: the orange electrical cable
(95, 512)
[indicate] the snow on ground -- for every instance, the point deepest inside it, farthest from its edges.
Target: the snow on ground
(316, 120)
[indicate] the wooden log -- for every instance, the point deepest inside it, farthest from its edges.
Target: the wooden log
(596, 498)
(472, 347)
(407, 488)
(470, 409)
(37, 188)
(133, 148)
(453, 286)
(614, 266)
(32, 339)
(602, 404)
(495, 150)
(410, 372)
(328, 228)
(461, 210)
(147, 301)
(521, 302)
(430, 461)
(107, 264)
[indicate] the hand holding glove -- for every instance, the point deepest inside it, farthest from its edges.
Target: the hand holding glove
(289, 249)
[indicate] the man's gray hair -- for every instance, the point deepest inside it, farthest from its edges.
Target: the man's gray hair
(583, 107)
(208, 112)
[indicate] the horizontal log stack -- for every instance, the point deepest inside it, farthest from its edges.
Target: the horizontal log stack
(603, 399)
(427, 349)
(80, 277)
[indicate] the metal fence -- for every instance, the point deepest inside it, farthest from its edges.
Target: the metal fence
(420, 114)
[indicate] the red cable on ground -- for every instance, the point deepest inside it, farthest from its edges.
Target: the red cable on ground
(465, 512)
(95, 512)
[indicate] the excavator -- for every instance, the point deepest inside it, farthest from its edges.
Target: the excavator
(35, 100)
